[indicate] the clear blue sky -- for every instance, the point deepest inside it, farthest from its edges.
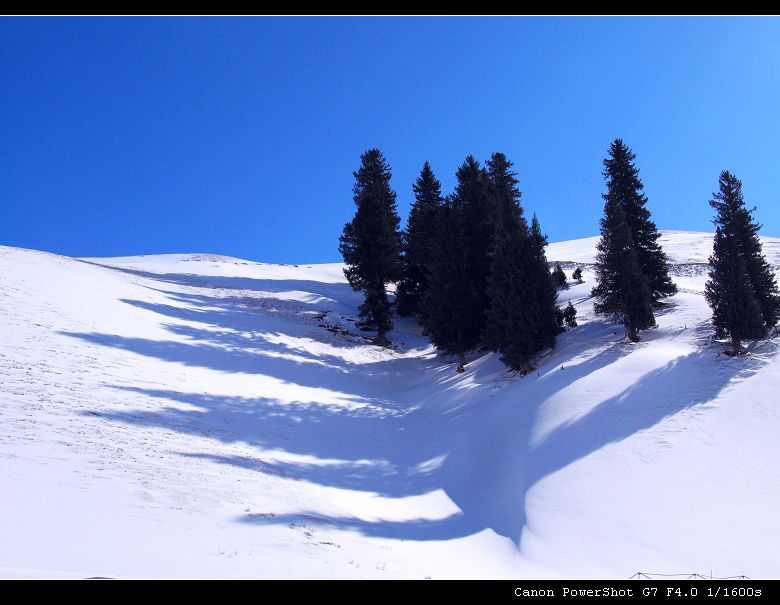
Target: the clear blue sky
(239, 136)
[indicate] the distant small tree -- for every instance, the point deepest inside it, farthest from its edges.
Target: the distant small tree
(577, 275)
(371, 243)
(570, 315)
(559, 277)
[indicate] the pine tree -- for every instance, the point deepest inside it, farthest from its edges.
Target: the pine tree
(450, 304)
(570, 315)
(735, 312)
(625, 189)
(509, 325)
(559, 277)
(417, 242)
(736, 221)
(577, 275)
(509, 212)
(475, 202)
(538, 239)
(622, 290)
(521, 319)
(371, 243)
(543, 308)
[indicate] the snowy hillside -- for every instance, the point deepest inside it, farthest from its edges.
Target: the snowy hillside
(202, 416)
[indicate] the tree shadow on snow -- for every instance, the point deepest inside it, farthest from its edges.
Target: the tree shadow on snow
(405, 427)
(337, 292)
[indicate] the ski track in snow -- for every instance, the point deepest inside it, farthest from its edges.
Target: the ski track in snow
(201, 416)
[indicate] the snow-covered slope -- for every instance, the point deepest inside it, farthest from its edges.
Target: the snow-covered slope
(204, 416)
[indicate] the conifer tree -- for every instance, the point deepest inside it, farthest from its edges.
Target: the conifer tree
(509, 325)
(509, 212)
(450, 304)
(735, 312)
(622, 290)
(371, 243)
(736, 221)
(577, 275)
(625, 189)
(543, 308)
(475, 203)
(417, 242)
(521, 319)
(559, 277)
(538, 239)
(570, 315)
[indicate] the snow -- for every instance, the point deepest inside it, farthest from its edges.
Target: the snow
(197, 415)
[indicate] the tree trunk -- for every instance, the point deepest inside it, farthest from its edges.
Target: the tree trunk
(381, 338)
(461, 362)
(632, 335)
(736, 345)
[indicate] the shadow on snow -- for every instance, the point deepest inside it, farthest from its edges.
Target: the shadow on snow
(462, 434)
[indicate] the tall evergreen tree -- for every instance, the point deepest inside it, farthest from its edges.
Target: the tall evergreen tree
(625, 189)
(543, 308)
(451, 302)
(509, 325)
(538, 239)
(736, 221)
(735, 312)
(509, 212)
(622, 290)
(577, 275)
(417, 242)
(475, 202)
(371, 242)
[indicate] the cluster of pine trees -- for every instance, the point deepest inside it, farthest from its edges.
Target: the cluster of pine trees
(475, 274)
(633, 271)
(468, 265)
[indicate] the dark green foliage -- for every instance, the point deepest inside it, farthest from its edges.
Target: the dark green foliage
(538, 239)
(559, 320)
(622, 291)
(736, 222)
(509, 212)
(735, 312)
(450, 304)
(625, 189)
(475, 204)
(522, 318)
(577, 275)
(417, 242)
(545, 326)
(371, 242)
(559, 277)
(570, 315)
(510, 318)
